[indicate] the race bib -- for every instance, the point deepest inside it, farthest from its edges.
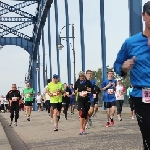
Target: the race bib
(14, 98)
(27, 95)
(94, 95)
(146, 95)
(110, 91)
(55, 94)
(83, 93)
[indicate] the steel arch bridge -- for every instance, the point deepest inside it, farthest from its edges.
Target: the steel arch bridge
(31, 44)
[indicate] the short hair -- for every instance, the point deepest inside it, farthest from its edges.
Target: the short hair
(71, 84)
(110, 70)
(88, 71)
(49, 80)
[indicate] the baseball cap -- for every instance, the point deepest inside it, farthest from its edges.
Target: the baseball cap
(81, 73)
(55, 76)
(146, 7)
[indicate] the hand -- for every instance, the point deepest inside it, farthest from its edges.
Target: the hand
(108, 85)
(88, 89)
(127, 65)
(113, 84)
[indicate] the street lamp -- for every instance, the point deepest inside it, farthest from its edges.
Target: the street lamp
(60, 46)
(1, 47)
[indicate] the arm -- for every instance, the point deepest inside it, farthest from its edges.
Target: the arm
(75, 87)
(121, 57)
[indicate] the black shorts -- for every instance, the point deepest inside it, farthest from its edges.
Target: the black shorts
(95, 101)
(28, 103)
(57, 106)
(109, 104)
(39, 104)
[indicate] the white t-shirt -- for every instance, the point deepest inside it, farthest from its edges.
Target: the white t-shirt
(119, 92)
(39, 98)
(6, 101)
(47, 97)
(2, 100)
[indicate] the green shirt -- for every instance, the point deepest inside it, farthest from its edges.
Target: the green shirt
(52, 88)
(28, 94)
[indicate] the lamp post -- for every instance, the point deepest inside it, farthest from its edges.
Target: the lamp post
(60, 46)
(1, 47)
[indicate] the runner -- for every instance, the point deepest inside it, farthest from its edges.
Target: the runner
(95, 95)
(134, 57)
(47, 101)
(66, 100)
(120, 91)
(55, 90)
(2, 103)
(109, 87)
(91, 101)
(72, 99)
(14, 97)
(28, 94)
(39, 101)
(129, 90)
(83, 87)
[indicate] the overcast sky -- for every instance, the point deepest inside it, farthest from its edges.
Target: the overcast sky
(14, 60)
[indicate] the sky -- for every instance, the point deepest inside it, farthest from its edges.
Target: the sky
(14, 60)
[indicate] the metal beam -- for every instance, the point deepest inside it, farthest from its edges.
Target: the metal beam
(57, 36)
(12, 9)
(68, 44)
(17, 27)
(15, 19)
(17, 6)
(82, 35)
(135, 10)
(15, 32)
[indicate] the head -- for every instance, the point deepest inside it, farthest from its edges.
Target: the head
(81, 76)
(38, 93)
(119, 81)
(131, 86)
(65, 85)
(146, 14)
(89, 74)
(49, 80)
(71, 86)
(110, 74)
(55, 78)
(14, 87)
(28, 85)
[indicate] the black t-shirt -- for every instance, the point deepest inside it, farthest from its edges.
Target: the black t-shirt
(14, 93)
(96, 91)
(82, 86)
(66, 98)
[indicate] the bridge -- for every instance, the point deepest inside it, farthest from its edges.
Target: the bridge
(38, 20)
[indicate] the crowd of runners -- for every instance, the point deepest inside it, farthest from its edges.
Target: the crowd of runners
(59, 97)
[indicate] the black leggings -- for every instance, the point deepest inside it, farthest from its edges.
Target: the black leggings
(131, 104)
(14, 107)
(119, 104)
(142, 112)
(66, 106)
(83, 107)
(47, 105)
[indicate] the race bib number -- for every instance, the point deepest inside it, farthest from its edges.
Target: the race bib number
(94, 95)
(55, 94)
(14, 98)
(146, 95)
(110, 91)
(27, 95)
(83, 93)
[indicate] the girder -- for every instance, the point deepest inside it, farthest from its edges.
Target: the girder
(15, 19)
(13, 31)
(17, 27)
(17, 10)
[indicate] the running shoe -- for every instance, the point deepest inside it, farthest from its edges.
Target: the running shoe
(10, 124)
(111, 121)
(90, 122)
(107, 124)
(15, 123)
(28, 119)
(55, 128)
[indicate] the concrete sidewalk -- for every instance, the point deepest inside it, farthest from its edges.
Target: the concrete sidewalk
(4, 143)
